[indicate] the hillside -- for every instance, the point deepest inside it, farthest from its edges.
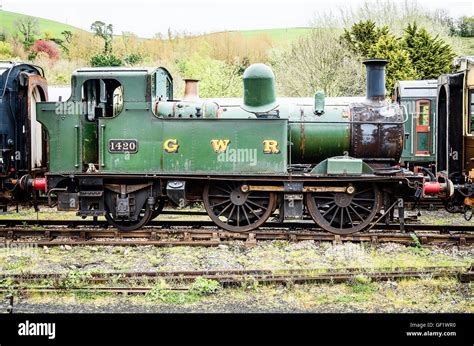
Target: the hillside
(7, 20)
(277, 35)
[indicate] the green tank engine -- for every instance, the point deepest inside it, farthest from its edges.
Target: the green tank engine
(121, 147)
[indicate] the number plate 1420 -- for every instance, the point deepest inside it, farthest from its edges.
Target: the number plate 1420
(123, 146)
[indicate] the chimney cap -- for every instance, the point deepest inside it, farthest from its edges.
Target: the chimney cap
(376, 60)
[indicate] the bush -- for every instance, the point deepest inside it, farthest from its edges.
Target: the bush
(205, 287)
(132, 59)
(6, 50)
(102, 60)
(48, 47)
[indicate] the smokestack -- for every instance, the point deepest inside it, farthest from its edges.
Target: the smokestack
(375, 78)
(191, 90)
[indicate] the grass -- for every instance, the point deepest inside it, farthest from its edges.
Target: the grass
(7, 20)
(200, 288)
(411, 295)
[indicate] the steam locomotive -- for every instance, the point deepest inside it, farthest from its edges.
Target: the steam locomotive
(121, 146)
(22, 138)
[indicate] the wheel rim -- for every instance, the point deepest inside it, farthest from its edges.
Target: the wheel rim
(343, 213)
(234, 210)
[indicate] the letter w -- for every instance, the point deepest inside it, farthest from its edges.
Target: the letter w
(220, 145)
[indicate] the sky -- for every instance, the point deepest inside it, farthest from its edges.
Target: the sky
(145, 18)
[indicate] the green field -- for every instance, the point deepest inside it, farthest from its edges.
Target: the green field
(277, 35)
(7, 20)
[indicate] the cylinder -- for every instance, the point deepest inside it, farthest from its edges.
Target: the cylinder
(375, 71)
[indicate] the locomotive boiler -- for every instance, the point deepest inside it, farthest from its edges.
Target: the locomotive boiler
(121, 146)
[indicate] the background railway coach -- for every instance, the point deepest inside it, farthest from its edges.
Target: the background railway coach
(418, 98)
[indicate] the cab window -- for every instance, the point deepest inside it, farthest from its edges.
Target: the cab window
(102, 98)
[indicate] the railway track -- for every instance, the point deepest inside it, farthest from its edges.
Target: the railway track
(143, 282)
(204, 233)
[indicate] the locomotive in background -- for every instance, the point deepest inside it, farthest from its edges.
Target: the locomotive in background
(22, 138)
(455, 144)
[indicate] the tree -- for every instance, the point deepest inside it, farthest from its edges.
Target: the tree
(218, 78)
(399, 66)
(416, 55)
(466, 27)
(67, 35)
(430, 56)
(105, 32)
(28, 27)
(362, 36)
(318, 62)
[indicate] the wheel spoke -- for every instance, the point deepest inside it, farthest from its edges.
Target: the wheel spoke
(223, 210)
(363, 199)
(334, 216)
(363, 191)
(251, 210)
(245, 213)
(219, 196)
(218, 204)
(349, 214)
(222, 189)
(238, 215)
(256, 204)
(327, 211)
(342, 218)
(231, 212)
(362, 207)
(355, 211)
(258, 197)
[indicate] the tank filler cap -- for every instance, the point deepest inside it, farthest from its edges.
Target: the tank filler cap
(319, 103)
(259, 89)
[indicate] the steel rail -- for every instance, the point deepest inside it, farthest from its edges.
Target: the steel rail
(228, 278)
(212, 236)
